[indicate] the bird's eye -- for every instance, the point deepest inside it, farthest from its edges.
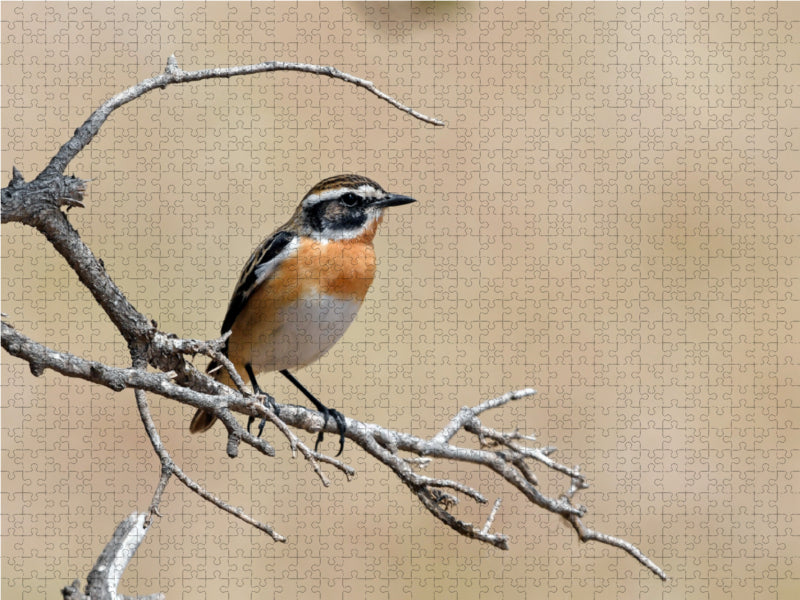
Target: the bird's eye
(349, 199)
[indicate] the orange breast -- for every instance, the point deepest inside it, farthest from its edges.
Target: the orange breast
(318, 272)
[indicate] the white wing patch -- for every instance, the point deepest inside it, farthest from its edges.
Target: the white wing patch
(264, 270)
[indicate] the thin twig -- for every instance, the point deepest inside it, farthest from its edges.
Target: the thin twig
(163, 479)
(466, 414)
(587, 534)
(488, 525)
(167, 462)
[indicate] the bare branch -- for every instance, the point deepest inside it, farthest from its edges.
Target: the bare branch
(466, 414)
(104, 578)
(40, 357)
(63, 191)
(587, 534)
(173, 75)
(36, 210)
(383, 444)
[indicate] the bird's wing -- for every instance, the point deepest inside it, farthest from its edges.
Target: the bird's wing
(265, 259)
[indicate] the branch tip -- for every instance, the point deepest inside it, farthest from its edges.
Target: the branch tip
(37, 369)
(232, 448)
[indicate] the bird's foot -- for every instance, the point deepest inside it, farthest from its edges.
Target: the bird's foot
(268, 401)
(341, 425)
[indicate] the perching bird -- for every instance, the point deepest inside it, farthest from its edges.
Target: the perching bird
(303, 286)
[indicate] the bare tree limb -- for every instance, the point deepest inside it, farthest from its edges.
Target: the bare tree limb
(383, 444)
(173, 74)
(466, 414)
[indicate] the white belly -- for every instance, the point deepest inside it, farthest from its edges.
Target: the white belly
(307, 330)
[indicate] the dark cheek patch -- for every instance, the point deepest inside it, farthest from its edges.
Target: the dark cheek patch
(335, 217)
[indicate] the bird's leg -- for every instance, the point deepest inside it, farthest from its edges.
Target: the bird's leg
(259, 392)
(332, 412)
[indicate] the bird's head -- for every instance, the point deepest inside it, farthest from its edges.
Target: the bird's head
(344, 207)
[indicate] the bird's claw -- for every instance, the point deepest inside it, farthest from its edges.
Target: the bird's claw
(268, 401)
(341, 425)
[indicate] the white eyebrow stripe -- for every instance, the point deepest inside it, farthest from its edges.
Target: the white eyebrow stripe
(366, 190)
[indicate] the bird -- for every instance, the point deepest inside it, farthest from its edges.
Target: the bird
(302, 287)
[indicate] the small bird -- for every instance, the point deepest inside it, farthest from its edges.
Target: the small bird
(302, 287)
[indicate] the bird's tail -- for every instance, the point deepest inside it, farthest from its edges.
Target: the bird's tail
(203, 420)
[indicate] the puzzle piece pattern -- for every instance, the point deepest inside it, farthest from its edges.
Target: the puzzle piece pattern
(609, 216)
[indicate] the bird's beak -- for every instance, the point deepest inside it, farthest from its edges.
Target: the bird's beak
(393, 200)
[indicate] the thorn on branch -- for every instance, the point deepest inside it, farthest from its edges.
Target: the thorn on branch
(16, 178)
(172, 67)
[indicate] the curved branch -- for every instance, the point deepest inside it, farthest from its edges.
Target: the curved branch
(173, 74)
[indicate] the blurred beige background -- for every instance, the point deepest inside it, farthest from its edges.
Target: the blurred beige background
(610, 216)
